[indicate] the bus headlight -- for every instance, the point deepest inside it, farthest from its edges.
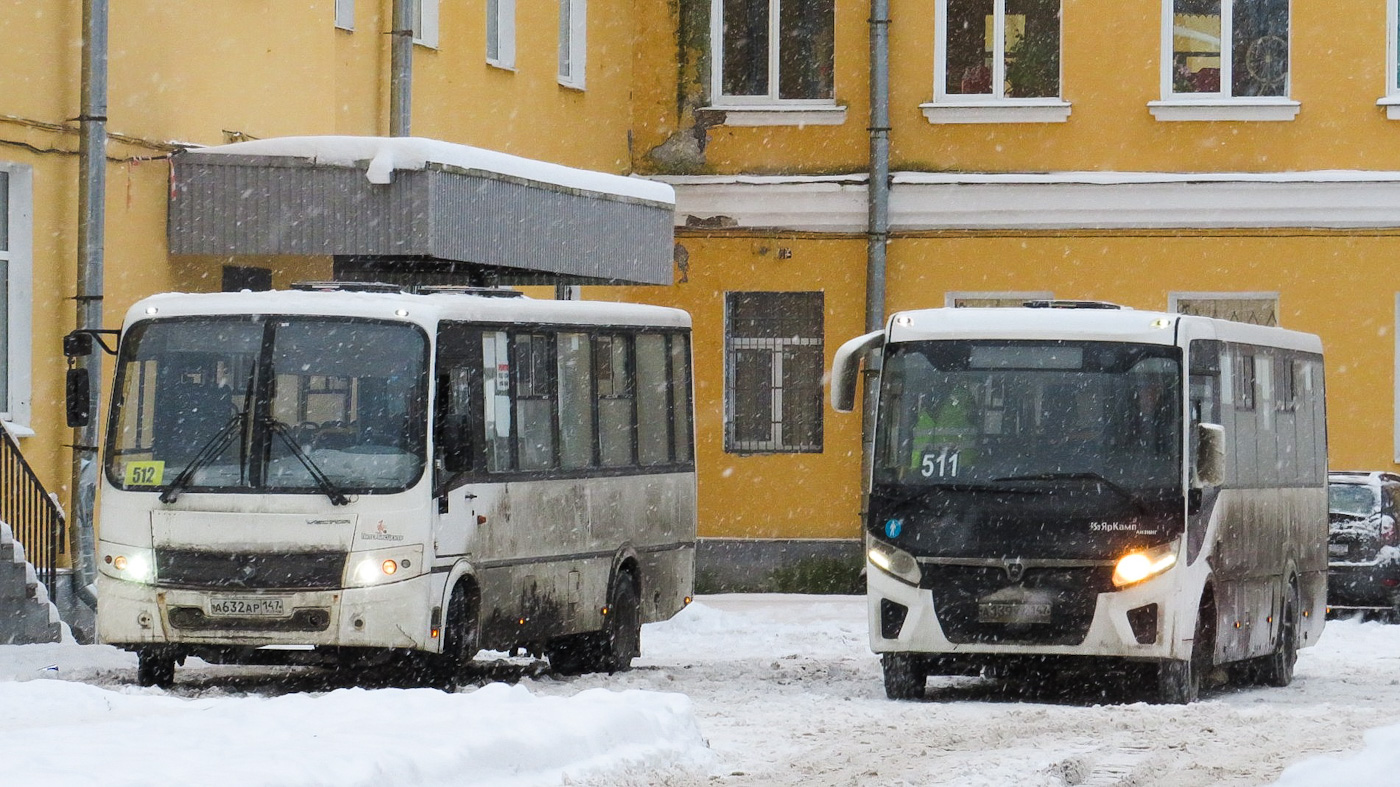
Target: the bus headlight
(132, 564)
(1141, 564)
(895, 562)
(383, 565)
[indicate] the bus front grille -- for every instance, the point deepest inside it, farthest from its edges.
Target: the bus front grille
(960, 593)
(191, 568)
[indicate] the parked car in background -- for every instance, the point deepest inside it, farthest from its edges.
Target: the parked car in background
(1363, 546)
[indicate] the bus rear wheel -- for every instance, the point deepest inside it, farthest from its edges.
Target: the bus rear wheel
(155, 667)
(609, 650)
(1277, 667)
(905, 676)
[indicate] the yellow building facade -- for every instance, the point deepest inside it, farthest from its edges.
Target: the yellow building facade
(1225, 156)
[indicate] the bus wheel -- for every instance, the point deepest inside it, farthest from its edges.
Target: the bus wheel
(1278, 666)
(1179, 682)
(905, 676)
(461, 636)
(155, 667)
(624, 630)
(609, 650)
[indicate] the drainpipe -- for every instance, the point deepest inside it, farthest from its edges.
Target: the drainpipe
(401, 69)
(92, 190)
(878, 228)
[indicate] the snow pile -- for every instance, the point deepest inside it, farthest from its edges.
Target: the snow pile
(496, 735)
(386, 154)
(1376, 765)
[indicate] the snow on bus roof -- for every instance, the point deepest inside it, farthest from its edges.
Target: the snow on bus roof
(424, 308)
(386, 154)
(1116, 324)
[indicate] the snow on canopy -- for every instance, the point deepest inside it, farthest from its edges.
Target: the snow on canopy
(387, 154)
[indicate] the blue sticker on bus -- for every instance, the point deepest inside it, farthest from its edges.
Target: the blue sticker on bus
(894, 527)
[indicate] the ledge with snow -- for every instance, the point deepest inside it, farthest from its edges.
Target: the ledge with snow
(421, 202)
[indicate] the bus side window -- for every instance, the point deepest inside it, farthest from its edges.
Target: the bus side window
(456, 405)
(682, 433)
(576, 426)
(616, 398)
(1204, 390)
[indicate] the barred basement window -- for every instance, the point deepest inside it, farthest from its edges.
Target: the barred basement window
(1255, 308)
(773, 372)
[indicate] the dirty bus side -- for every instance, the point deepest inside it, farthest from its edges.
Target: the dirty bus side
(338, 477)
(1109, 491)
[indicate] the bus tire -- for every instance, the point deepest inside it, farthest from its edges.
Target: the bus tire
(1179, 681)
(1277, 667)
(155, 667)
(905, 677)
(624, 631)
(609, 650)
(461, 635)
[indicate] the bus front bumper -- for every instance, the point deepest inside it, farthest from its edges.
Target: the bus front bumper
(1134, 623)
(392, 615)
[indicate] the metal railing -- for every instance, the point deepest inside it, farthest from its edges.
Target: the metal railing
(37, 521)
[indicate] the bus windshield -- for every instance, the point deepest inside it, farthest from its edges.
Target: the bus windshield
(270, 404)
(1022, 434)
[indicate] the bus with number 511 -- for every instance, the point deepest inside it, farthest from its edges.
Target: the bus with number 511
(1078, 486)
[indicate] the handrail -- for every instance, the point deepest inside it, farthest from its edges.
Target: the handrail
(30, 511)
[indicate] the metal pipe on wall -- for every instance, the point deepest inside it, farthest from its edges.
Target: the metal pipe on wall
(92, 191)
(401, 70)
(878, 226)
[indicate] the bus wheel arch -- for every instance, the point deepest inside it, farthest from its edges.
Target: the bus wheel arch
(1179, 681)
(461, 629)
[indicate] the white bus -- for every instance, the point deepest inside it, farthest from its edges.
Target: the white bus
(1127, 492)
(330, 475)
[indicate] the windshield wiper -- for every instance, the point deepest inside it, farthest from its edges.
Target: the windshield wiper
(1097, 478)
(211, 450)
(328, 487)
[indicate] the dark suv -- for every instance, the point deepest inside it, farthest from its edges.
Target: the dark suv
(1363, 546)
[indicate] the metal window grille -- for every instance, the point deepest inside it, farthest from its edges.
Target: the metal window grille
(774, 354)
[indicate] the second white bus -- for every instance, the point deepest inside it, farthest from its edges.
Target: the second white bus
(1095, 488)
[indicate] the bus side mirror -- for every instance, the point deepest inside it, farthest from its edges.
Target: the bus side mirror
(1210, 454)
(78, 399)
(845, 369)
(77, 345)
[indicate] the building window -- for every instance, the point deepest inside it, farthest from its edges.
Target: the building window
(773, 372)
(1000, 49)
(15, 294)
(345, 14)
(964, 300)
(1225, 60)
(772, 51)
(573, 38)
(500, 33)
(1255, 308)
(1254, 64)
(425, 23)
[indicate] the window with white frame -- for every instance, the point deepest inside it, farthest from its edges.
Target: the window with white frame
(773, 372)
(773, 51)
(998, 50)
(1227, 48)
(500, 33)
(345, 14)
(425, 23)
(573, 38)
(1391, 99)
(15, 293)
(1255, 308)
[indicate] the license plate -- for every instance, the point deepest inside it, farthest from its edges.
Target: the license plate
(249, 606)
(1338, 550)
(1008, 612)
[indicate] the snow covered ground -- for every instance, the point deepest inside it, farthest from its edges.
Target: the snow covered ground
(737, 690)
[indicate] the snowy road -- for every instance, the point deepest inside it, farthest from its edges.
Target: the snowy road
(782, 688)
